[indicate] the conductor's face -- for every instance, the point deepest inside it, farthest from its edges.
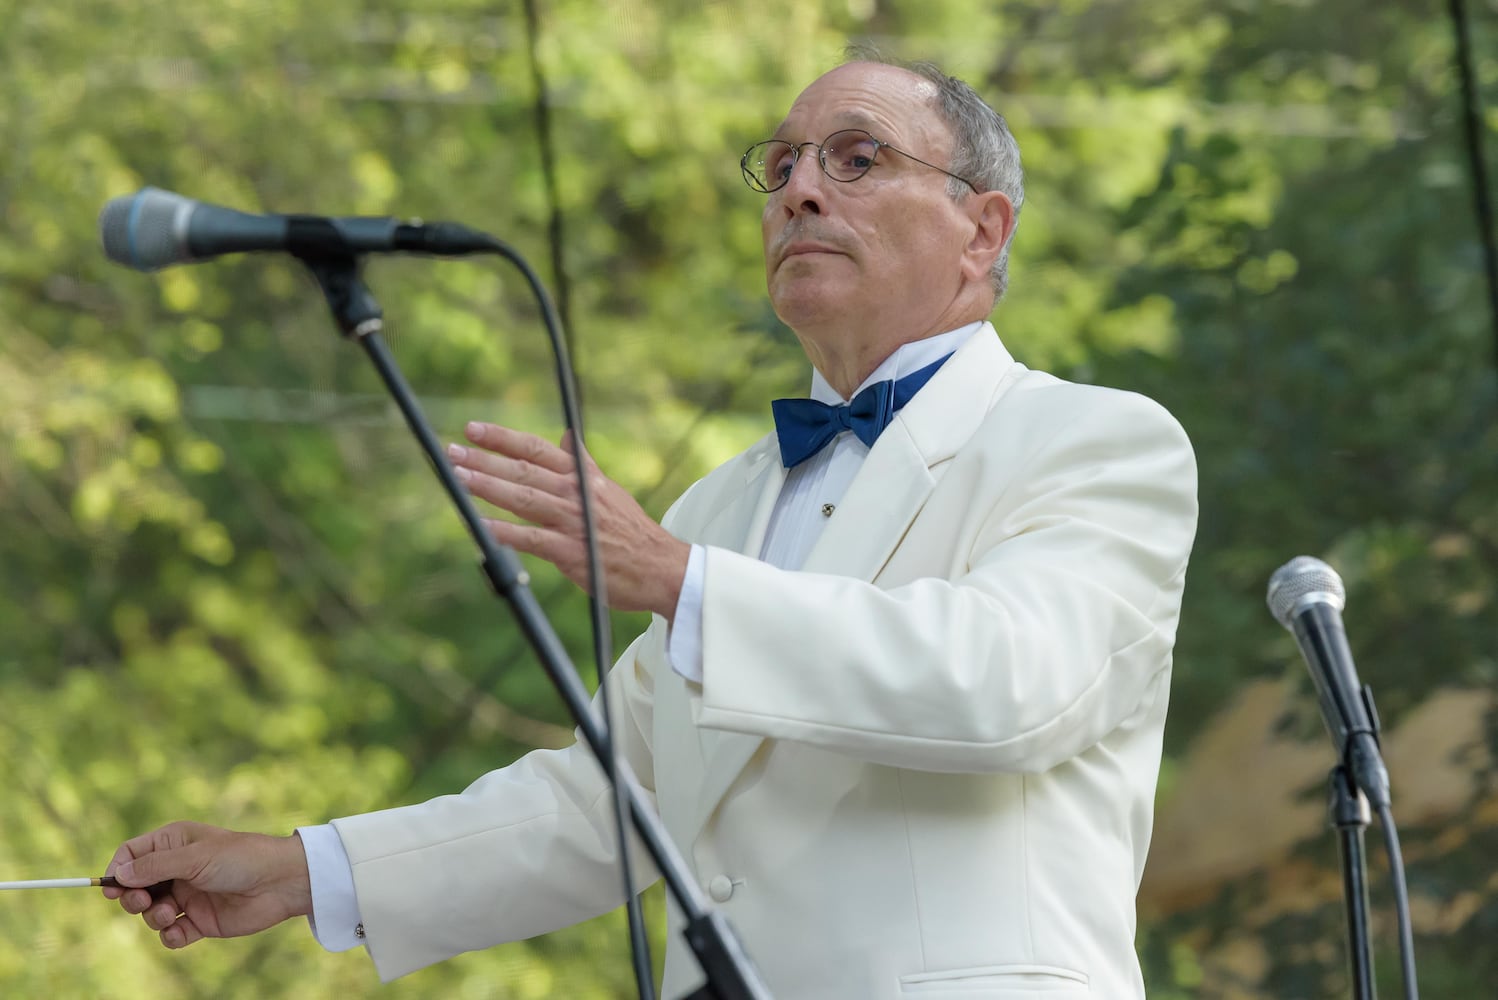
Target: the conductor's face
(846, 251)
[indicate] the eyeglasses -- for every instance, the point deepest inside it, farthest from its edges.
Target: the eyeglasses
(845, 156)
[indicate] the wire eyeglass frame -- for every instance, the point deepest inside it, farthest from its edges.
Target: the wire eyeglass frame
(857, 157)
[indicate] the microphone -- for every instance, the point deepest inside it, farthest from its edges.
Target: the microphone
(152, 229)
(1307, 597)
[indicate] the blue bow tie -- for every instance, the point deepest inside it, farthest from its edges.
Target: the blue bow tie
(804, 426)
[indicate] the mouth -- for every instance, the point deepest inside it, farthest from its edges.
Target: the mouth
(804, 249)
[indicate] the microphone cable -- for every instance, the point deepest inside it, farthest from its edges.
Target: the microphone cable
(558, 324)
(1401, 903)
(598, 610)
(1476, 164)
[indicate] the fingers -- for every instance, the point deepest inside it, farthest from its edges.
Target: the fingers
(181, 933)
(519, 473)
(223, 884)
(156, 895)
(536, 481)
(521, 446)
(162, 913)
(139, 900)
(177, 929)
(121, 855)
(531, 479)
(562, 512)
(132, 900)
(126, 853)
(512, 470)
(561, 550)
(147, 865)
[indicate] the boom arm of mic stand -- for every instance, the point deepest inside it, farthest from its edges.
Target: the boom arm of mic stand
(730, 973)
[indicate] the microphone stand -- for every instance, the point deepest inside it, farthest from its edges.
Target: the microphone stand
(730, 973)
(1349, 812)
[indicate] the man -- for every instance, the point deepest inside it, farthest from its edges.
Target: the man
(900, 705)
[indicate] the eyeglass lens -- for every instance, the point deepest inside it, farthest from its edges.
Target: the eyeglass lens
(845, 156)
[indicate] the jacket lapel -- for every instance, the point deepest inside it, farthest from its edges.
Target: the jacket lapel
(742, 522)
(884, 498)
(902, 468)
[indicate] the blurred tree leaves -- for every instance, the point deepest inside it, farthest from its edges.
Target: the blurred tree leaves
(231, 592)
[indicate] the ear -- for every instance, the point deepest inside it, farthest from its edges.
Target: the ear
(992, 215)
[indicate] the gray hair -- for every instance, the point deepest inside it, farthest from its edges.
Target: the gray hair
(983, 148)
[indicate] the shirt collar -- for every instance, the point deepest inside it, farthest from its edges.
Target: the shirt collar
(907, 358)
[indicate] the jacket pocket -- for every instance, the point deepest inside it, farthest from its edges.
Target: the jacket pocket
(999, 982)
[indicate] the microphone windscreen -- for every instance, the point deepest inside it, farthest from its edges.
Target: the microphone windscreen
(141, 230)
(1301, 576)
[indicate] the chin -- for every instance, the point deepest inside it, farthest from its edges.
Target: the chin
(804, 310)
(807, 302)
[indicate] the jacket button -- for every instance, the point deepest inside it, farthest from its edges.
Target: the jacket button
(720, 888)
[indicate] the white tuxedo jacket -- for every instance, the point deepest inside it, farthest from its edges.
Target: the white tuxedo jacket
(922, 766)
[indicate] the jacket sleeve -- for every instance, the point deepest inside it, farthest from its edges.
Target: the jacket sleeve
(525, 849)
(1051, 624)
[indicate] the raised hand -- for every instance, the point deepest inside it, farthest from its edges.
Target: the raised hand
(537, 481)
(222, 883)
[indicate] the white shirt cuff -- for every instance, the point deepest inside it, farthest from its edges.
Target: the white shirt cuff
(684, 643)
(335, 909)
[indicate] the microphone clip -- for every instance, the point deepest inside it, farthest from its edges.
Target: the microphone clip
(349, 299)
(1362, 755)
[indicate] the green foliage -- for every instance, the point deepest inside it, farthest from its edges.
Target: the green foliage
(231, 592)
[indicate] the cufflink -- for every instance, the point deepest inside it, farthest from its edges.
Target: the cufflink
(827, 509)
(359, 930)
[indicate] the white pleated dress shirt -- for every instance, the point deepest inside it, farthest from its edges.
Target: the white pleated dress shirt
(809, 496)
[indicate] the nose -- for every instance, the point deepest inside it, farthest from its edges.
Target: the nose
(804, 193)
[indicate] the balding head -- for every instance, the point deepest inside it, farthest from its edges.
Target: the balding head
(859, 266)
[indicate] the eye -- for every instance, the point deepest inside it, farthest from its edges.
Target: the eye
(851, 154)
(778, 161)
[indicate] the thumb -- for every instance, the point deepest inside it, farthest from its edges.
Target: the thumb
(578, 449)
(160, 867)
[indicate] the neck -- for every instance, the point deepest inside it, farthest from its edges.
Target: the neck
(847, 356)
(845, 371)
